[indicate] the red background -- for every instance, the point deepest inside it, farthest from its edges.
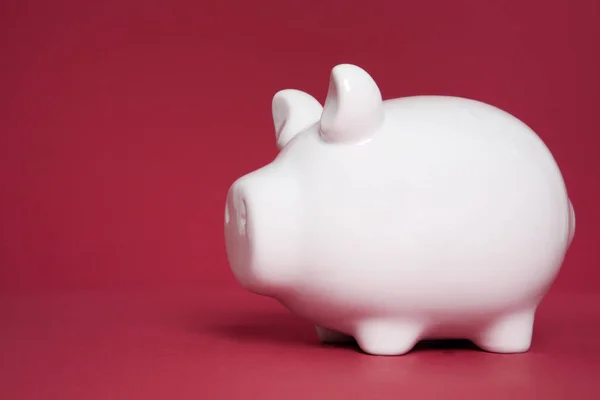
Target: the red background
(123, 123)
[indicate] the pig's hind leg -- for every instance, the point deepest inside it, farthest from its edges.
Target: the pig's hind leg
(510, 333)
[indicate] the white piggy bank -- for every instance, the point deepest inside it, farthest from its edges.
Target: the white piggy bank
(395, 221)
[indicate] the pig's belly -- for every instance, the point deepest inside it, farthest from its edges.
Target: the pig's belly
(456, 241)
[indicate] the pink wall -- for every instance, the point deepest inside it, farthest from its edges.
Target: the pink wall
(123, 123)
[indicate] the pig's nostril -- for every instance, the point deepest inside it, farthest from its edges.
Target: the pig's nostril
(242, 218)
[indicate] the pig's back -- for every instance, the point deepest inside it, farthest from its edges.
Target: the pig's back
(453, 202)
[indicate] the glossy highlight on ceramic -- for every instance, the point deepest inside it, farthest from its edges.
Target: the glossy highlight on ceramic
(394, 221)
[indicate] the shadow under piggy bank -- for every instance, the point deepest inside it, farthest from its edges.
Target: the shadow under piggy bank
(284, 329)
(266, 328)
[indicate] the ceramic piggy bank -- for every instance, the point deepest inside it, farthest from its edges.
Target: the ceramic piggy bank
(400, 220)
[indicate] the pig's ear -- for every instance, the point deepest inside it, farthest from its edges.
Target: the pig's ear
(293, 112)
(354, 108)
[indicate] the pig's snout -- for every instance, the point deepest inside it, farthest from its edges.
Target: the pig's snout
(571, 222)
(237, 239)
(260, 226)
(240, 218)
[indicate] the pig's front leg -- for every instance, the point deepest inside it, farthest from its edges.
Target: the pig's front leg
(334, 337)
(387, 337)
